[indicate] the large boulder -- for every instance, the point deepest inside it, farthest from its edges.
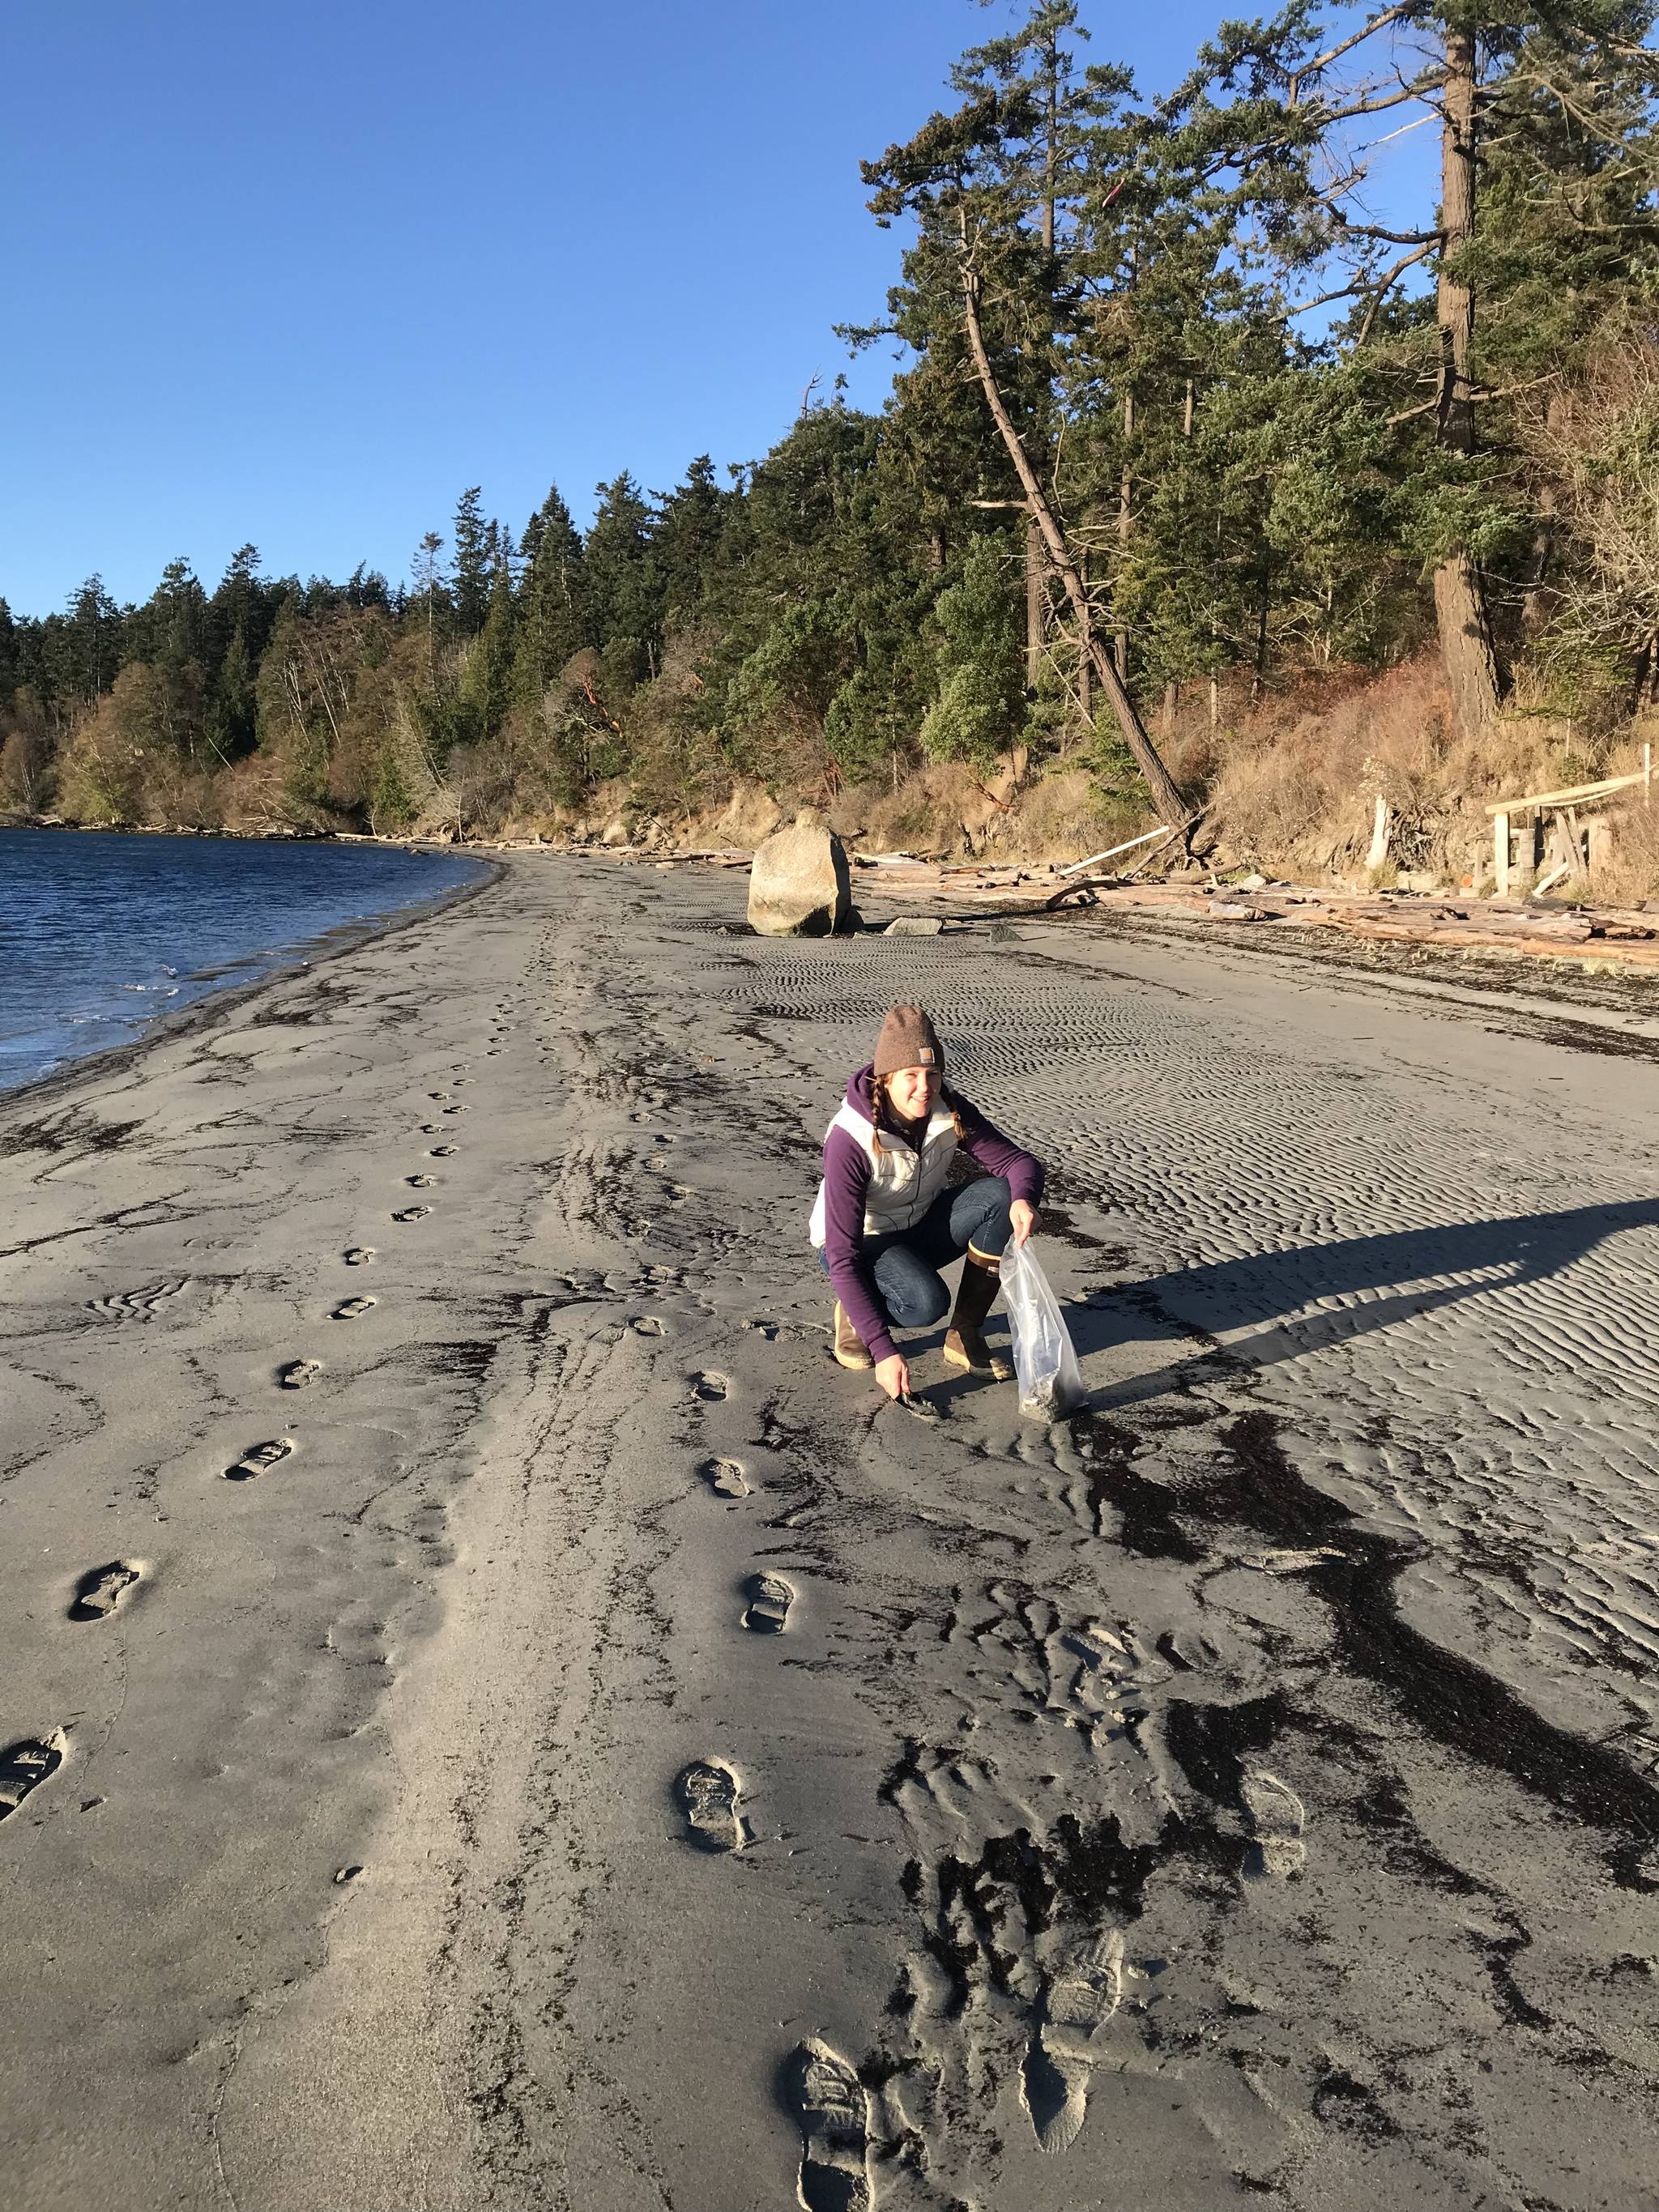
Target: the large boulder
(798, 885)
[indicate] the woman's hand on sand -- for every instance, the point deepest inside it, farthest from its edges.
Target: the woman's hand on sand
(893, 1375)
(1021, 1214)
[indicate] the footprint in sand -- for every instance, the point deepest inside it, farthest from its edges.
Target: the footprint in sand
(458, 1109)
(440, 1094)
(24, 1766)
(1275, 1818)
(350, 1309)
(99, 1591)
(442, 1152)
(834, 2110)
(726, 1476)
(645, 1325)
(707, 1795)
(298, 1373)
(360, 1256)
(429, 1129)
(257, 1460)
(769, 1599)
(711, 1388)
(461, 1081)
(421, 1182)
(412, 1213)
(140, 1304)
(1059, 2059)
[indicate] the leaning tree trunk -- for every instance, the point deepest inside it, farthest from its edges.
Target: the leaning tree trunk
(1460, 601)
(1166, 792)
(1125, 525)
(1037, 603)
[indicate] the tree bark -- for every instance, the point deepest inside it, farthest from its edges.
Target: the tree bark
(1460, 605)
(1036, 603)
(1050, 151)
(1125, 524)
(1466, 650)
(1165, 791)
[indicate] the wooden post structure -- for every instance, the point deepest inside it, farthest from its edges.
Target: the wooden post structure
(1379, 852)
(1500, 853)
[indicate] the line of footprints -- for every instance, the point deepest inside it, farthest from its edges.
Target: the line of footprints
(25, 1765)
(831, 2105)
(299, 1374)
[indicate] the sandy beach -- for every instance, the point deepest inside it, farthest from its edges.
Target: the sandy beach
(495, 1717)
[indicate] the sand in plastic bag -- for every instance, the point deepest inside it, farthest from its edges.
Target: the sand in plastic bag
(1045, 1363)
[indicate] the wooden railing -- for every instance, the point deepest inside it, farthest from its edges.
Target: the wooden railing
(1560, 802)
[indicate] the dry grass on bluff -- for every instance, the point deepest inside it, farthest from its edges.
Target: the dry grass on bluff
(1294, 786)
(1293, 783)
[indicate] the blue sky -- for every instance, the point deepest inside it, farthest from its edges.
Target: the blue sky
(299, 275)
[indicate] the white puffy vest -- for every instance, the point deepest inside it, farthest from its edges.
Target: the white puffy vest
(903, 1184)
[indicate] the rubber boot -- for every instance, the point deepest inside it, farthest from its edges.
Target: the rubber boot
(849, 1345)
(965, 1347)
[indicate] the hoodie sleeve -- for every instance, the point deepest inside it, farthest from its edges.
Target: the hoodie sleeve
(845, 1179)
(985, 1144)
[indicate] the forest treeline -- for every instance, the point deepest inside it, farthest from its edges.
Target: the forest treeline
(1178, 415)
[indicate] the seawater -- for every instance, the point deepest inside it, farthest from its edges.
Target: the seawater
(101, 933)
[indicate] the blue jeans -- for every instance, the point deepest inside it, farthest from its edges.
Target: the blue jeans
(906, 1261)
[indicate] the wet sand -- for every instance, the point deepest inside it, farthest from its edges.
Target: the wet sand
(497, 1717)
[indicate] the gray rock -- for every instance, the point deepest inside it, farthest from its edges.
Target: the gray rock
(914, 925)
(798, 885)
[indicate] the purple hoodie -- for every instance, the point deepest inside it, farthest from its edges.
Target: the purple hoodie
(846, 1177)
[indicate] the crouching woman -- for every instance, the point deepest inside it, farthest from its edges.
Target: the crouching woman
(885, 1222)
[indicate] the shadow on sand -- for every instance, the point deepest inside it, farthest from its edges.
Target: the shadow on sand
(1390, 1278)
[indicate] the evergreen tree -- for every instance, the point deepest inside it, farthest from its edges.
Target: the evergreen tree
(980, 704)
(1545, 214)
(233, 718)
(431, 582)
(689, 524)
(367, 587)
(965, 179)
(90, 638)
(552, 627)
(486, 689)
(473, 564)
(621, 589)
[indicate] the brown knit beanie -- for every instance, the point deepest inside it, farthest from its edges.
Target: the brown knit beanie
(907, 1039)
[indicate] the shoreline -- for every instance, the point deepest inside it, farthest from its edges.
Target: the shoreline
(1600, 941)
(214, 1005)
(1585, 998)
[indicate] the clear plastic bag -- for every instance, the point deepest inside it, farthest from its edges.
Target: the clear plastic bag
(1045, 1362)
